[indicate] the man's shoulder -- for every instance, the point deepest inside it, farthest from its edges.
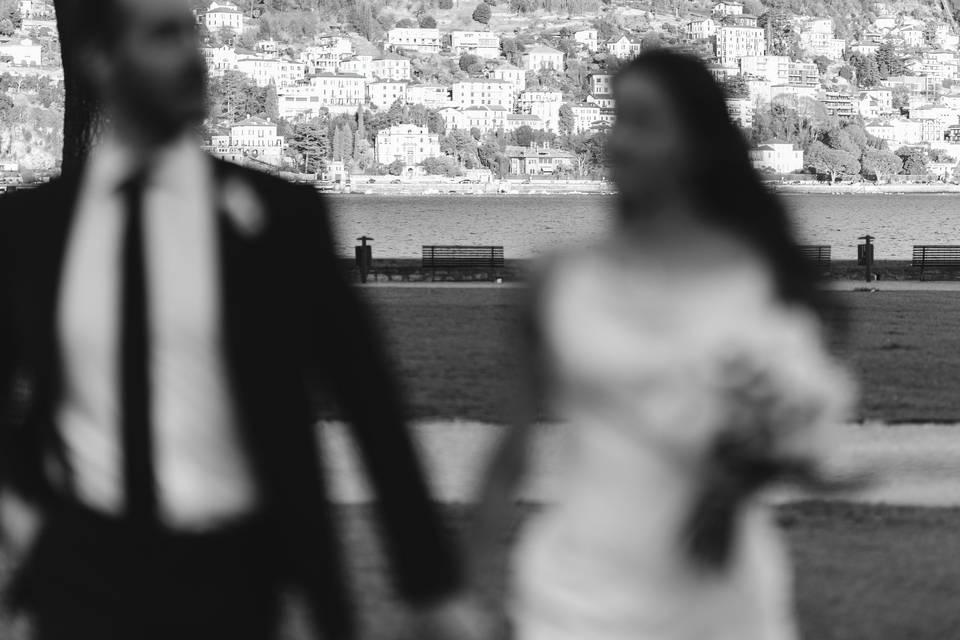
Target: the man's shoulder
(260, 181)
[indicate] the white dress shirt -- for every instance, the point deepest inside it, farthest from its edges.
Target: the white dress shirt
(202, 470)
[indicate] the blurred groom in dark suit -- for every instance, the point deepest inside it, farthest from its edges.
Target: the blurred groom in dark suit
(164, 321)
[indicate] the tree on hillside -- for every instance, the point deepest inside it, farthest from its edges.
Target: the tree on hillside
(567, 120)
(428, 22)
(784, 39)
(888, 62)
(471, 63)
(823, 63)
(309, 143)
(735, 87)
(914, 161)
(482, 13)
(841, 140)
(445, 5)
(10, 11)
(832, 162)
(881, 164)
(868, 75)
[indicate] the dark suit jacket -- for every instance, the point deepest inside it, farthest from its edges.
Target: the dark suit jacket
(290, 322)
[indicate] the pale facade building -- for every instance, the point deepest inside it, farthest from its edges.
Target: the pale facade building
(728, 8)
(219, 60)
(252, 141)
(586, 115)
(540, 57)
(516, 120)
(735, 42)
(24, 52)
(383, 93)
(741, 111)
(479, 43)
(624, 48)
(515, 77)
(434, 96)
(414, 39)
(701, 28)
(484, 118)
(601, 84)
(408, 143)
(391, 67)
(588, 39)
(780, 157)
(264, 70)
(337, 93)
(482, 92)
(223, 15)
(545, 104)
(774, 69)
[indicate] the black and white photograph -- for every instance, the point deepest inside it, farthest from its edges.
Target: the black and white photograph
(479, 320)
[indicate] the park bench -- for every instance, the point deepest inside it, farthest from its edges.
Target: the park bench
(462, 257)
(818, 254)
(941, 256)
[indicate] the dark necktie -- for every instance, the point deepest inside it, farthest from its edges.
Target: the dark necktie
(138, 474)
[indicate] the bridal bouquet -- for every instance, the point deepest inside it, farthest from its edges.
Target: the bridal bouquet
(773, 403)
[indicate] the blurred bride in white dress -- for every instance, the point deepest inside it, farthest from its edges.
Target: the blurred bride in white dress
(687, 358)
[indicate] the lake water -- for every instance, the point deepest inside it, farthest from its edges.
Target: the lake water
(530, 224)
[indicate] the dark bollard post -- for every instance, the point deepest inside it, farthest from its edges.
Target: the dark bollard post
(865, 255)
(364, 257)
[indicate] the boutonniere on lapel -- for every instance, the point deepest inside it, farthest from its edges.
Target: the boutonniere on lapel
(243, 207)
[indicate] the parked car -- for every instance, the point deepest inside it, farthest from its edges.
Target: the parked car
(372, 181)
(395, 181)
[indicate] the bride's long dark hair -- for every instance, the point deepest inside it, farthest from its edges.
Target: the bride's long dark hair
(728, 193)
(726, 188)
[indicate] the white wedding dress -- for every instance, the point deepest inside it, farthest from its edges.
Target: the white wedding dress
(638, 354)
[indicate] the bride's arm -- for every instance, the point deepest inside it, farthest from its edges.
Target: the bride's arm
(510, 459)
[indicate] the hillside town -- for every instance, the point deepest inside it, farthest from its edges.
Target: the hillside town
(475, 92)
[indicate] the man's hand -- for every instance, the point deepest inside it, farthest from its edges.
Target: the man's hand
(20, 523)
(458, 618)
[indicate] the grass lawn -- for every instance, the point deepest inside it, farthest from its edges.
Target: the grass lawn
(863, 572)
(454, 349)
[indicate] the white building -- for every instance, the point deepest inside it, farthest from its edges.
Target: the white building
(780, 157)
(911, 37)
(601, 84)
(588, 39)
(252, 141)
(741, 111)
(23, 52)
(484, 118)
(414, 39)
(701, 28)
(624, 48)
(263, 70)
(586, 115)
(391, 67)
(482, 92)
(479, 43)
(820, 43)
(223, 15)
(734, 42)
(337, 93)
(540, 57)
(775, 69)
(407, 143)
(219, 60)
(728, 8)
(516, 120)
(516, 78)
(327, 54)
(383, 93)
(545, 104)
(434, 96)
